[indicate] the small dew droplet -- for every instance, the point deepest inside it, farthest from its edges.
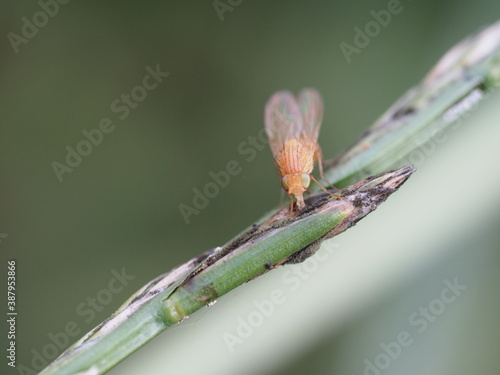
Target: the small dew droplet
(211, 303)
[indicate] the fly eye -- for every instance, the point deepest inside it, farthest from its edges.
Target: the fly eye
(284, 183)
(306, 180)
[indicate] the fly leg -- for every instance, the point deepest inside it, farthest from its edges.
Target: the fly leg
(319, 157)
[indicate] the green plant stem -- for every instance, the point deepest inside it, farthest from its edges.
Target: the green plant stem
(464, 76)
(174, 296)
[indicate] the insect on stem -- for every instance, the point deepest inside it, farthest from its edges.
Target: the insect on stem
(292, 126)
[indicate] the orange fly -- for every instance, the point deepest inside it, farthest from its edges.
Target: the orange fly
(292, 126)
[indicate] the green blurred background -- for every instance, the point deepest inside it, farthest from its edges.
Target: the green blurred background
(119, 208)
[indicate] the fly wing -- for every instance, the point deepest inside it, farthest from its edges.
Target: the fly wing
(311, 108)
(282, 120)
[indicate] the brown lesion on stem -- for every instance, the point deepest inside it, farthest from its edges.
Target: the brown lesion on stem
(358, 199)
(365, 196)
